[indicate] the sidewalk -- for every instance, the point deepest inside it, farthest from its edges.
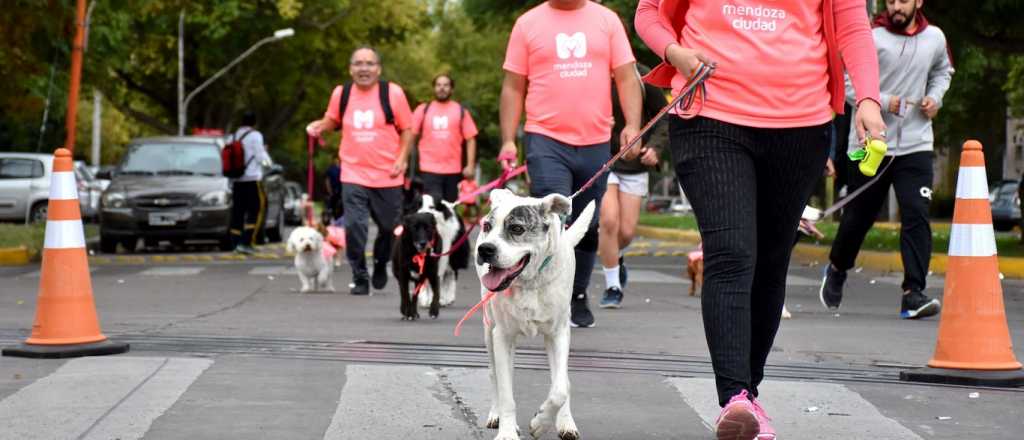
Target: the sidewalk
(1010, 267)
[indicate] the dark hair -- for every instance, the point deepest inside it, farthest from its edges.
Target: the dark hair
(443, 75)
(249, 118)
(369, 48)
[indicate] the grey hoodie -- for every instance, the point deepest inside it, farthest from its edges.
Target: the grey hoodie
(910, 67)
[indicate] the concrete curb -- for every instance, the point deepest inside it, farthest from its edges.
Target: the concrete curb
(15, 256)
(1010, 267)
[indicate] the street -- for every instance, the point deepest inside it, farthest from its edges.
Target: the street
(229, 349)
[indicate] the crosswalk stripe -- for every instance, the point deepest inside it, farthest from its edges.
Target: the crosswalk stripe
(395, 402)
(803, 410)
(272, 270)
(172, 271)
(98, 398)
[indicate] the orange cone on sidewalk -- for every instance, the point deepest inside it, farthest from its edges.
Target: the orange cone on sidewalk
(974, 346)
(66, 324)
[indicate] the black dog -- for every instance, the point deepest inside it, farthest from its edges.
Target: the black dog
(417, 241)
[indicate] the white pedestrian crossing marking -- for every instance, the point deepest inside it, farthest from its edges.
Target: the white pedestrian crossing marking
(98, 398)
(272, 270)
(396, 402)
(803, 410)
(172, 271)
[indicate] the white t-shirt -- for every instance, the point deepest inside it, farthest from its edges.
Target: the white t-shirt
(255, 153)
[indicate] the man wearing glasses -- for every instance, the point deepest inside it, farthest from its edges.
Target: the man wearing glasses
(376, 136)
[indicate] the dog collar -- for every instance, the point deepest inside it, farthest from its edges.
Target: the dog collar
(544, 264)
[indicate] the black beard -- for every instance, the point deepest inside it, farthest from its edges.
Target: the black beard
(906, 21)
(445, 99)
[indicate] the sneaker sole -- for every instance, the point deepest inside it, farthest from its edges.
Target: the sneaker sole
(924, 311)
(738, 424)
(610, 306)
(574, 325)
(821, 291)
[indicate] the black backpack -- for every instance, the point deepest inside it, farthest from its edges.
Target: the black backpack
(385, 101)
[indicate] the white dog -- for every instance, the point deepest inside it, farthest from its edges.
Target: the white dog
(313, 268)
(524, 247)
(449, 228)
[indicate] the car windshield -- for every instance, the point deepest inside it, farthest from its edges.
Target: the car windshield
(167, 159)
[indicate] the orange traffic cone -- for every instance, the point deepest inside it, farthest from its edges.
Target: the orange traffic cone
(974, 346)
(66, 323)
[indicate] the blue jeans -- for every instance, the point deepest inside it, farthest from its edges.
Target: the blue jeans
(559, 168)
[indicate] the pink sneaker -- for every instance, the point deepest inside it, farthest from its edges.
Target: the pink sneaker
(738, 420)
(767, 432)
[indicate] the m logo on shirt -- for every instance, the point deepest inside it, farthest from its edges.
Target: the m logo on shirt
(574, 45)
(440, 122)
(362, 120)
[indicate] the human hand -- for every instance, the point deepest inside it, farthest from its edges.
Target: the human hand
(649, 157)
(830, 168)
(929, 107)
(508, 154)
(399, 167)
(685, 60)
(316, 128)
(894, 105)
(628, 134)
(469, 172)
(869, 121)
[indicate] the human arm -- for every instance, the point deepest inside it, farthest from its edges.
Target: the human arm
(513, 92)
(470, 171)
(857, 48)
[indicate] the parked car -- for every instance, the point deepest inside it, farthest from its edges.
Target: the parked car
(25, 187)
(89, 190)
(1005, 200)
(172, 188)
(293, 212)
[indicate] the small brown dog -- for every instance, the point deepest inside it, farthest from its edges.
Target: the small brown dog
(695, 269)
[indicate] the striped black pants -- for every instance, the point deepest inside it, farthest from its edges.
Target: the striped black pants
(748, 188)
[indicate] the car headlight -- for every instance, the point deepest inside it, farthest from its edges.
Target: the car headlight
(114, 200)
(215, 198)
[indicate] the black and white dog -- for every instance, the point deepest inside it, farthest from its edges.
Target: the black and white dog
(449, 229)
(524, 248)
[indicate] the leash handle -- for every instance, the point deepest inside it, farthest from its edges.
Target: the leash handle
(684, 100)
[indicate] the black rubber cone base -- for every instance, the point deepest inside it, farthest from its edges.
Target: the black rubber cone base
(986, 378)
(66, 351)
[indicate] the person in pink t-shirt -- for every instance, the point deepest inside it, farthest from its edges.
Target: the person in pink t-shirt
(443, 125)
(376, 136)
(750, 157)
(562, 56)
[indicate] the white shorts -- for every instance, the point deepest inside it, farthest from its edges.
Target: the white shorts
(635, 184)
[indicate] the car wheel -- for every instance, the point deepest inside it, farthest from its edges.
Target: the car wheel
(1002, 226)
(274, 234)
(38, 212)
(108, 245)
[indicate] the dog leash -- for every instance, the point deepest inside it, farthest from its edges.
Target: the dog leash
(507, 174)
(309, 176)
(849, 197)
(694, 89)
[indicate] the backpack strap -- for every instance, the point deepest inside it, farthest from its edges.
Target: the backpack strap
(385, 102)
(423, 119)
(346, 92)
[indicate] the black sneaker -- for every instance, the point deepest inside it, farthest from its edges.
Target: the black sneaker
(612, 298)
(623, 273)
(380, 275)
(361, 288)
(581, 316)
(831, 292)
(917, 305)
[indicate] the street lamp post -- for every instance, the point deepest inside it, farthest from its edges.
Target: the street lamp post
(183, 104)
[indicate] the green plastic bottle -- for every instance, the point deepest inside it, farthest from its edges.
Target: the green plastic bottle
(874, 153)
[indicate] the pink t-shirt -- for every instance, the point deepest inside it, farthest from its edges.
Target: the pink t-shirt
(369, 146)
(747, 38)
(440, 144)
(568, 56)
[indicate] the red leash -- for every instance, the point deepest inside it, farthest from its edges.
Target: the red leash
(309, 178)
(506, 175)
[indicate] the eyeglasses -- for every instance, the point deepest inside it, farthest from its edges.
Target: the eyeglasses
(364, 64)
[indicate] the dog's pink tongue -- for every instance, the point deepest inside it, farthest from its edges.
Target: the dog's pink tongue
(493, 278)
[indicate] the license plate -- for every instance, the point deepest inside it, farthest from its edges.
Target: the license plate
(163, 218)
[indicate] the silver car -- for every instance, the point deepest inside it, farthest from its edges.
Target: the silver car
(25, 187)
